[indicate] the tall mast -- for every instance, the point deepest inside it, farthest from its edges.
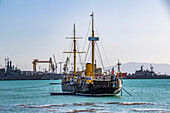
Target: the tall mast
(93, 44)
(118, 64)
(74, 51)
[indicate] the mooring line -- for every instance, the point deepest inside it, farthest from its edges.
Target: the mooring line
(126, 91)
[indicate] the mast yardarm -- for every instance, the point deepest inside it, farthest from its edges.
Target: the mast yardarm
(74, 50)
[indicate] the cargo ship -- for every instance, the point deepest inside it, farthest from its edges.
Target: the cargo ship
(91, 81)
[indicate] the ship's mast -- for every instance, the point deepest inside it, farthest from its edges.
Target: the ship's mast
(92, 46)
(118, 64)
(93, 43)
(74, 51)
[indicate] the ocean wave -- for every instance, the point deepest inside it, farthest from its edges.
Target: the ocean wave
(61, 105)
(82, 104)
(153, 110)
(58, 108)
(85, 110)
(52, 110)
(42, 106)
(86, 107)
(5, 110)
(128, 103)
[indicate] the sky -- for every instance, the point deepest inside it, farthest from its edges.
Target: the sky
(129, 30)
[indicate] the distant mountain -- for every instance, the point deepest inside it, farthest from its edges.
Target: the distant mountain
(131, 67)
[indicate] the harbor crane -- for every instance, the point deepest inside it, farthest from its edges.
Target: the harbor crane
(55, 63)
(65, 68)
(51, 66)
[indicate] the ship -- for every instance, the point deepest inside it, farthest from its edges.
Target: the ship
(146, 74)
(90, 81)
(11, 72)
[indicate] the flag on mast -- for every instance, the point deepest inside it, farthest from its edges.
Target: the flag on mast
(112, 70)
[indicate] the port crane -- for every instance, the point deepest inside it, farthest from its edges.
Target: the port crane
(55, 63)
(65, 68)
(51, 66)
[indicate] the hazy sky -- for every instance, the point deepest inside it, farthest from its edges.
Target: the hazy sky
(130, 30)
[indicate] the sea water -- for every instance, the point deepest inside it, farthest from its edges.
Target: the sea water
(33, 96)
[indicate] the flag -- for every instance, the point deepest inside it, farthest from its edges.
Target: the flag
(113, 70)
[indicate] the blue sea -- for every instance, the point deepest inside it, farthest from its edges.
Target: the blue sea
(33, 96)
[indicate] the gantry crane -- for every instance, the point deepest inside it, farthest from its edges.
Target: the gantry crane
(51, 66)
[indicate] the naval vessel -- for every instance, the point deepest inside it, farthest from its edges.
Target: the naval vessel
(11, 72)
(146, 74)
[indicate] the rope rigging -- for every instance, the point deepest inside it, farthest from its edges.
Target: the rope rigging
(87, 53)
(102, 46)
(98, 51)
(77, 48)
(87, 35)
(100, 56)
(66, 44)
(80, 60)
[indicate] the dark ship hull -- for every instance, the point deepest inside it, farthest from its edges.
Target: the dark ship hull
(98, 87)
